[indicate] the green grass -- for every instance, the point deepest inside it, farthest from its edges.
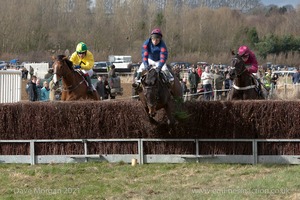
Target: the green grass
(150, 181)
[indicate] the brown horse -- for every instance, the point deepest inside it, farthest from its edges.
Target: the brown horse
(244, 84)
(74, 84)
(155, 94)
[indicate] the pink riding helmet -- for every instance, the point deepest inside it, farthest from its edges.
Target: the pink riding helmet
(156, 31)
(243, 50)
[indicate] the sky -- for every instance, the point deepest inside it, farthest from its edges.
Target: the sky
(281, 2)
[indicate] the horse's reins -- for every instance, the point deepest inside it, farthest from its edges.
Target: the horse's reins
(70, 88)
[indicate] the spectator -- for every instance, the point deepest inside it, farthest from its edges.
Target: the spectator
(218, 83)
(296, 77)
(194, 80)
(45, 92)
(207, 78)
(113, 81)
(177, 71)
(274, 78)
(184, 88)
(199, 70)
(99, 85)
(24, 73)
(267, 79)
(31, 71)
(38, 88)
(227, 83)
(112, 72)
(106, 88)
(31, 89)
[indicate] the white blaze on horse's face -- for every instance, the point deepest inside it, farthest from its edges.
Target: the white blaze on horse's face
(55, 79)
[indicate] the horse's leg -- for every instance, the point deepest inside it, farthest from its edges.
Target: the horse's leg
(63, 96)
(176, 89)
(94, 96)
(169, 110)
(171, 120)
(151, 118)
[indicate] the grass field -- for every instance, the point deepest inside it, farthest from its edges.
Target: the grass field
(150, 181)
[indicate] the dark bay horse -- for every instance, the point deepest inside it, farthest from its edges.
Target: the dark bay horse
(155, 94)
(74, 84)
(244, 84)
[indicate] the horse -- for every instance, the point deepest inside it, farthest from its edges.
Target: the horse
(74, 86)
(156, 94)
(244, 85)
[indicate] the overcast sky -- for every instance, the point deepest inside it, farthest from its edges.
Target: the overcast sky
(281, 2)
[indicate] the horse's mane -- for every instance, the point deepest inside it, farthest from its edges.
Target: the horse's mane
(151, 77)
(65, 58)
(240, 60)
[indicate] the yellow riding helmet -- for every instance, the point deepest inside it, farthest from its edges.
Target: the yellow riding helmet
(81, 47)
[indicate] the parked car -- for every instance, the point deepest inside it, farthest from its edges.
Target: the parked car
(3, 64)
(202, 63)
(101, 66)
(284, 73)
(185, 64)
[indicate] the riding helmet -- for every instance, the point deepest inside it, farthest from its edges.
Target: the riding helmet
(156, 33)
(81, 47)
(243, 50)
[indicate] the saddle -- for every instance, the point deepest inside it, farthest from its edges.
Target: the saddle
(83, 76)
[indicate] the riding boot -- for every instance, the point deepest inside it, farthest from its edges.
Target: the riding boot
(137, 80)
(90, 87)
(169, 77)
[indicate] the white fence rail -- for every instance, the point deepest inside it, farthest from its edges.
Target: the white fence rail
(10, 86)
(142, 158)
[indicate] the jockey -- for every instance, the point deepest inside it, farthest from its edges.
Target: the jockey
(83, 59)
(155, 53)
(249, 58)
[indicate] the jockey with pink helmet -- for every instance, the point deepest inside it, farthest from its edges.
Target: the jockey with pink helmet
(155, 54)
(249, 58)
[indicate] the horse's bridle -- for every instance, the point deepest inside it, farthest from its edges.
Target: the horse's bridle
(234, 68)
(71, 87)
(154, 86)
(238, 75)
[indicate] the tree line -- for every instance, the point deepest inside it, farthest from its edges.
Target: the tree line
(35, 30)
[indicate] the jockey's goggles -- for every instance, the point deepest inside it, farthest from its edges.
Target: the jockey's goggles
(83, 52)
(155, 36)
(245, 56)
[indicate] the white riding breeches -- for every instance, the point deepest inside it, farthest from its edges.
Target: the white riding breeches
(89, 72)
(154, 64)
